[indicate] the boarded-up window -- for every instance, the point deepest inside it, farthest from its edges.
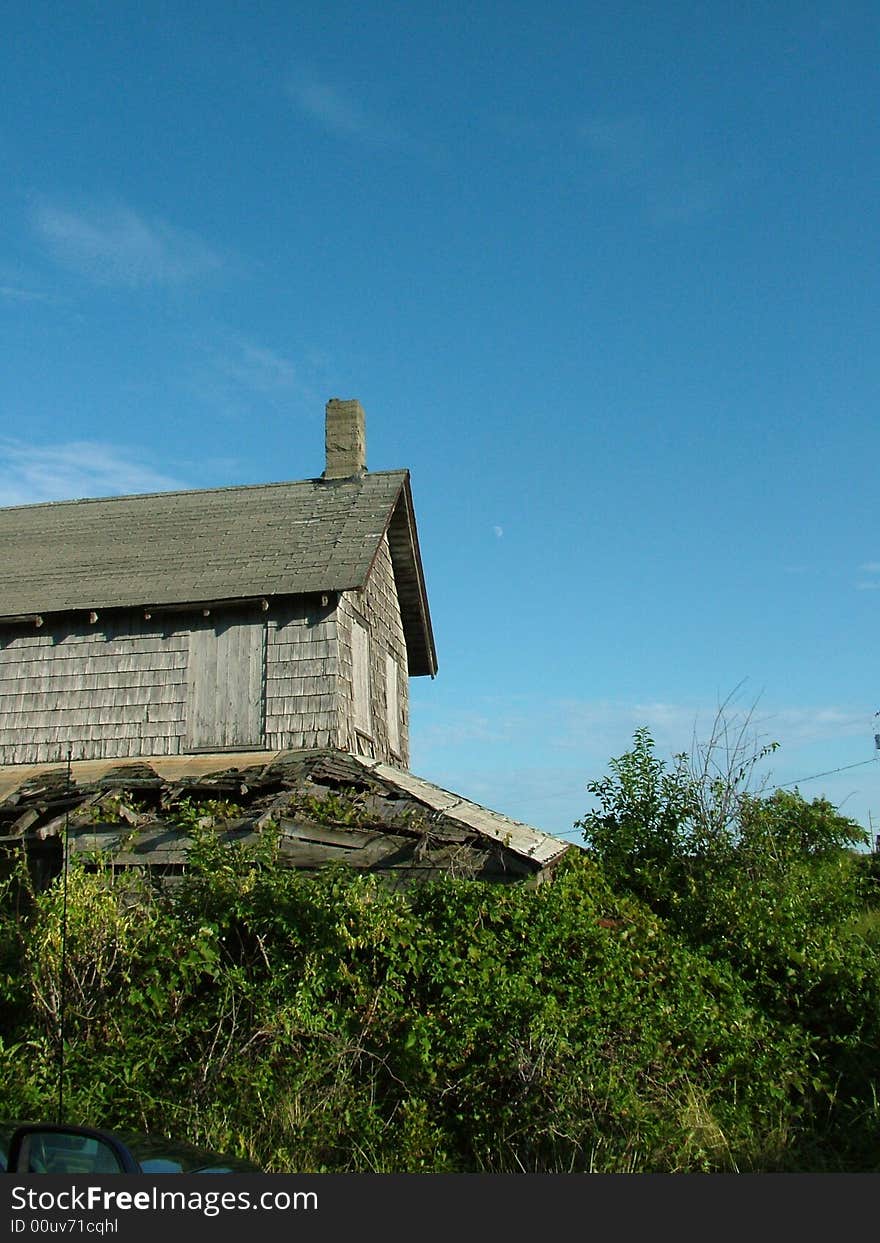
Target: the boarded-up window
(360, 676)
(391, 703)
(225, 674)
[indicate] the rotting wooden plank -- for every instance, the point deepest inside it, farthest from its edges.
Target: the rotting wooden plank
(99, 839)
(273, 810)
(521, 838)
(25, 820)
(75, 813)
(431, 795)
(383, 852)
(332, 835)
(156, 859)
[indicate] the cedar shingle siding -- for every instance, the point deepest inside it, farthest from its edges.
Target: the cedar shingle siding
(377, 610)
(117, 691)
(302, 677)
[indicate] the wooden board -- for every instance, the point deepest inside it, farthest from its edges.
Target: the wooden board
(360, 656)
(225, 685)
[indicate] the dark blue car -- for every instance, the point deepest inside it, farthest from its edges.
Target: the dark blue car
(43, 1148)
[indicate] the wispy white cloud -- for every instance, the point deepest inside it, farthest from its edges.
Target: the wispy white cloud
(229, 372)
(594, 724)
(872, 582)
(499, 531)
(817, 723)
(532, 757)
(21, 286)
(678, 725)
(258, 368)
(594, 730)
(336, 110)
(599, 729)
(117, 246)
(31, 473)
(13, 293)
(674, 186)
(624, 145)
(686, 196)
(521, 129)
(463, 727)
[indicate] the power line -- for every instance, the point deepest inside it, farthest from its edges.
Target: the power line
(829, 773)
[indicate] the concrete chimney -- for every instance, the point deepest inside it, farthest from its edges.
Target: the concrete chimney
(345, 439)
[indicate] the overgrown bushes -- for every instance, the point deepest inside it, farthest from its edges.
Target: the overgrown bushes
(661, 1012)
(771, 888)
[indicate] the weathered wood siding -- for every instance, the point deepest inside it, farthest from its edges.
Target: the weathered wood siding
(392, 699)
(361, 679)
(377, 609)
(104, 691)
(302, 683)
(280, 680)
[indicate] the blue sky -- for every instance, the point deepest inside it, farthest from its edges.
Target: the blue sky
(605, 279)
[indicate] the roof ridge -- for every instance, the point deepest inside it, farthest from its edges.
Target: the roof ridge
(234, 487)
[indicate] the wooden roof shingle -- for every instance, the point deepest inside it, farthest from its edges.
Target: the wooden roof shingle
(194, 547)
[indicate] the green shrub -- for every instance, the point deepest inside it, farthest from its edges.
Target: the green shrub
(326, 1023)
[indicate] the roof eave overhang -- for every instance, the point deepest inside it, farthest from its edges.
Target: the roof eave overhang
(406, 560)
(79, 614)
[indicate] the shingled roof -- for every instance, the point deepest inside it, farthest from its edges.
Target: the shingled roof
(198, 547)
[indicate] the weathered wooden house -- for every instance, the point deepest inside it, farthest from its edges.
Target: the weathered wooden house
(233, 630)
(274, 617)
